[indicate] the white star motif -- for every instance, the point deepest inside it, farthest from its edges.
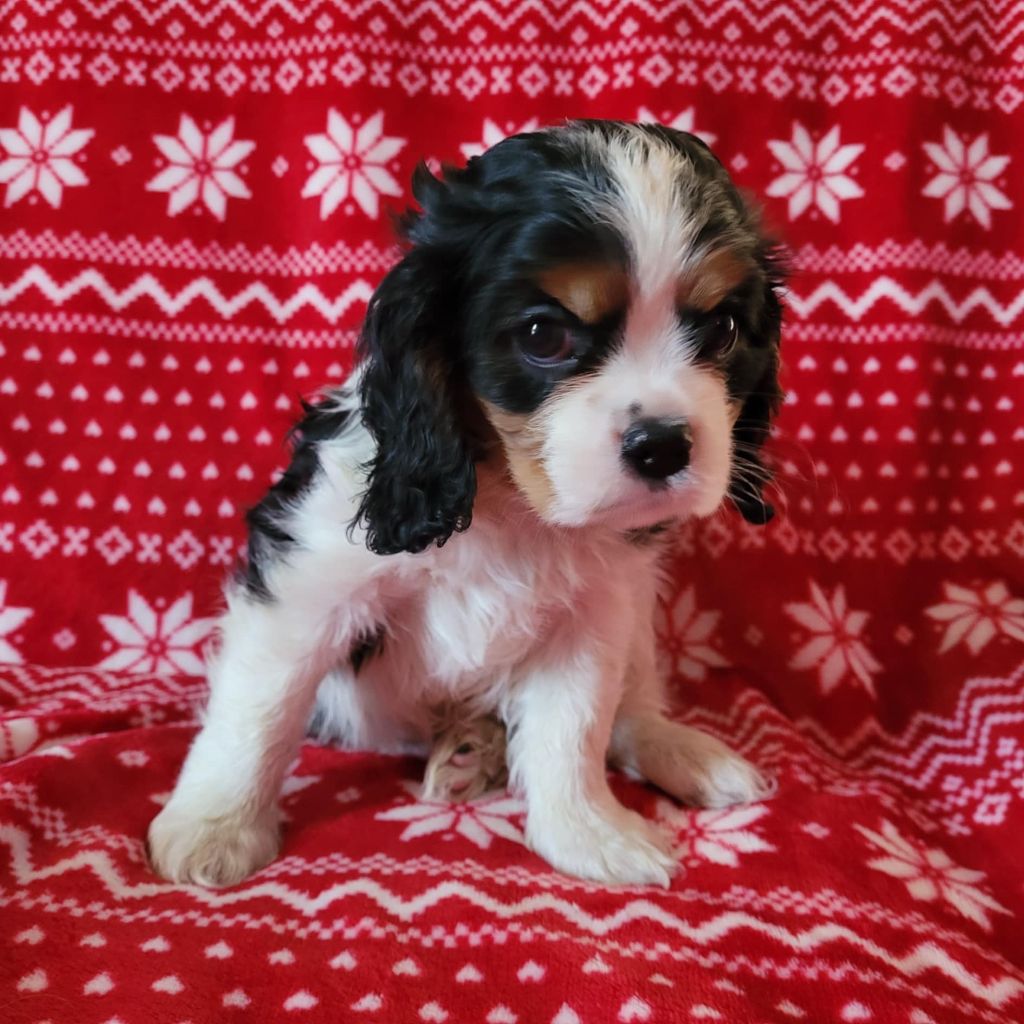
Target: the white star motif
(715, 836)
(10, 619)
(683, 122)
(929, 874)
(814, 173)
(39, 157)
(156, 642)
(352, 163)
(966, 176)
(691, 634)
(835, 648)
(492, 135)
(201, 166)
(975, 617)
(476, 820)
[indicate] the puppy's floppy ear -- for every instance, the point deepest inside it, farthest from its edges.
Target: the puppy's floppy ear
(750, 476)
(421, 481)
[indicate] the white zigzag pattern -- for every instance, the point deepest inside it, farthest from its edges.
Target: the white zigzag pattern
(996, 991)
(147, 286)
(912, 303)
(930, 742)
(960, 22)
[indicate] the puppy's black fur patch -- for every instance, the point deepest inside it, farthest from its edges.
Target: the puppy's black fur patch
(269, 531)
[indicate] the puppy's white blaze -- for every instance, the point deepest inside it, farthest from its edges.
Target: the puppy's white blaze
(649, 212)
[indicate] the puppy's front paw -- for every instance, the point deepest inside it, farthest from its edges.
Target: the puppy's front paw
(727, 779)
(692, 766)
(212, 852)
(611, 844)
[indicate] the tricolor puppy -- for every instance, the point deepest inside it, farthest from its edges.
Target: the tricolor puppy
(579, 346)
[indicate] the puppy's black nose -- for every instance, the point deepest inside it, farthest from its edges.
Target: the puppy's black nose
(656, 449)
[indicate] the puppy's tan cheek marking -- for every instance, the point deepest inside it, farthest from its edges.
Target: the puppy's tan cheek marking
(522, 444)
(712, 278)
(588, 290)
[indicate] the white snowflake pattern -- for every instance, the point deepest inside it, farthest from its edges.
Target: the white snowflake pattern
(352, 164)
(39, 156)
(929, 874)
(493, 134)
(155, 641)
(814, 174)
(974, 617)
(691, 634)
(966, 178)
(11, 618)
(684, 121)
(476, 820)
(201, 166)
(836, 648)
(718, 836)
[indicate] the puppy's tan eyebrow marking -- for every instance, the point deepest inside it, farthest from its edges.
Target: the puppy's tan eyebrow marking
(590, 291)
(711, 278)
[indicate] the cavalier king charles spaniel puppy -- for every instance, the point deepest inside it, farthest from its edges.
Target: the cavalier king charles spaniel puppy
(578, 348)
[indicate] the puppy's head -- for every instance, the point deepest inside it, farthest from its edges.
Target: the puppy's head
(598, 299)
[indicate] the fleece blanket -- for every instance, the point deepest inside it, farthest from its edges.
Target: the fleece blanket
(195, 198)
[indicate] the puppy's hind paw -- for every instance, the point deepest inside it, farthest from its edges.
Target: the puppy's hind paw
(467, 760)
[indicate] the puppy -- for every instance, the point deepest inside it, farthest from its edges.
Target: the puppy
(579, 346)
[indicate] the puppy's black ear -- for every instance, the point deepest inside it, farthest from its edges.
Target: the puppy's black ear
(421, 481)
(750, 476)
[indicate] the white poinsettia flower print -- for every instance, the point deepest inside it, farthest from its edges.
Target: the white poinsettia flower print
(157, 642)
(814, 174)
(352, 164)
(39, 156)
(11, 618)
(202, 167)
(476, 820)
(930, 875)
(692, 632)
(493, 134)
(966, 178)
(683, 121)
(718, 837)
(836, 648)
(974, 617)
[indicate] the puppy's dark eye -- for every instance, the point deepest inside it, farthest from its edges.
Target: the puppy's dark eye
(722, 335)
(546, 343)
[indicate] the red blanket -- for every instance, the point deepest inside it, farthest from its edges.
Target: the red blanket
(194, 214)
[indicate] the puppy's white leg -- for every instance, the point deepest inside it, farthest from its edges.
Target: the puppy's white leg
(686, 763)
(562, 716)
(221, 823)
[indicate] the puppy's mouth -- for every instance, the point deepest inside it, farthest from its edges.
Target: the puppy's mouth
(674, 499)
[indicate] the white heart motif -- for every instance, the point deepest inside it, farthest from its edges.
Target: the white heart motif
(530, 971)
(634, 1008)
(301, 1000)
(369, 1003)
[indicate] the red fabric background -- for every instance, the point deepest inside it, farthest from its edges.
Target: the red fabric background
(866, 646)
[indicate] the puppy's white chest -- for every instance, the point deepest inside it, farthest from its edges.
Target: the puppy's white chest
(483, 611)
